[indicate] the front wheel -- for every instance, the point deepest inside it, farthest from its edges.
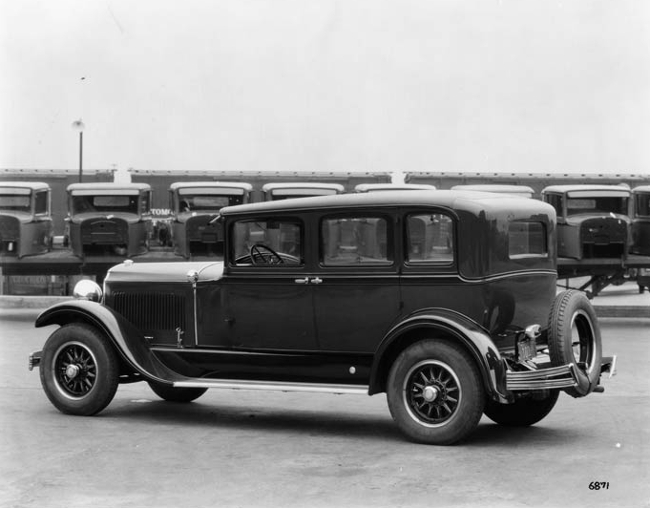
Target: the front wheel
(172, 394)
(79, 370)
(435, 393)
(523, 412)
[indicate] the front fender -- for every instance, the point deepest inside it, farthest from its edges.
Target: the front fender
(451, 325)
(127, 340)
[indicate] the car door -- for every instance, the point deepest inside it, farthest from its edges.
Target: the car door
(268, 298)
(356, 284)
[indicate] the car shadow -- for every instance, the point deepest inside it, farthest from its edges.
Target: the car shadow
(311, 422)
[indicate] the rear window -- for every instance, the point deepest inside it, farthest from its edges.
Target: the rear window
(527, 239)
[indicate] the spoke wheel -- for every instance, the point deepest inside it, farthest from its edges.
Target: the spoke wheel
(79, 370)
(432, 392)
(435, 392)
(75, 369)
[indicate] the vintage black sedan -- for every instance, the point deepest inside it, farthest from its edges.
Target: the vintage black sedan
(444, 300)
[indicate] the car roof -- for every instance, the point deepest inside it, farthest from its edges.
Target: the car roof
(562, 189)
(25, 185)
(302, 185)
(211, 184)
(641, 188)
(108, 186)
(494, 187)
(369, 187)
(472, 201)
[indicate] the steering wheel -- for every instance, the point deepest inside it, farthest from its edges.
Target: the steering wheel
(264, 255)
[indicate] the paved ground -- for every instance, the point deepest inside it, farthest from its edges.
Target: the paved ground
(241, 449)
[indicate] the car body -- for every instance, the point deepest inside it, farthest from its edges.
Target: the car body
(378, 187)
(25, 218)
(194, 205)
(523, 191)
(592, 220)
(290, 190)
(108, 219)
(441, 300)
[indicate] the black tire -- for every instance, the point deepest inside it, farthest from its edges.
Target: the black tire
(524, 412)
(172, 394)
(574, 337)
(79, 370)
(435, 392)
(641, 289)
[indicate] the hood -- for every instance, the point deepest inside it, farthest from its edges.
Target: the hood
(205, 215)
(20, 216)
(130, 271)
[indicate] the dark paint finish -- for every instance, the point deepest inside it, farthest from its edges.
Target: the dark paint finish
(315, 322)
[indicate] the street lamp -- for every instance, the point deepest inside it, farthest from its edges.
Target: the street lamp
(78, 125)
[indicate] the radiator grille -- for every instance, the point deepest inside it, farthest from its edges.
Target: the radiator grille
(162, 311)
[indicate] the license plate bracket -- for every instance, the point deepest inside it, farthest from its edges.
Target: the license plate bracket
(526, 349)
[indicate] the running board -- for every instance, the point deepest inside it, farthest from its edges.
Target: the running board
(282, 386)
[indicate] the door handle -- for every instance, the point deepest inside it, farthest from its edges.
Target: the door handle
(302, 281)
(316, 280)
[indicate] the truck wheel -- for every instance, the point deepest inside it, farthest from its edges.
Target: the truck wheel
(435, 393)
(79, 370)
(172, 394)
(574, 337)
(523, 412)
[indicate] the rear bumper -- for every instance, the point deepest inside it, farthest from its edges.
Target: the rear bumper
(564, 376)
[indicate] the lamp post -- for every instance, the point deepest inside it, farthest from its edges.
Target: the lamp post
(78, 125)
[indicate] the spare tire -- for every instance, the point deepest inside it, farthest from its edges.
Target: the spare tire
(574, 337)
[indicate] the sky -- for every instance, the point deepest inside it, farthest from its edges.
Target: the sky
(327, 85)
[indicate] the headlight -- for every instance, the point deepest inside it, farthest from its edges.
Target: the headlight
(87, 290)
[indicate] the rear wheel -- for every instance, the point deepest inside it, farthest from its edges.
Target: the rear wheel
(574, 337)
(523, 412)
(435, 393)
(79, 370)
(172, 394)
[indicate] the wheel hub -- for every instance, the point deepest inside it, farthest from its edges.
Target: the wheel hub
(430, 393)
(72, 371)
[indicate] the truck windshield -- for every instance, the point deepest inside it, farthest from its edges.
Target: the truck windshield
(14, 203)
(576, 206)
(108, 204)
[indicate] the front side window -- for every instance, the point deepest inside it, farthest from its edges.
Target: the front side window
(526, 239)
(267, 242)
(642, 205)
(40, 203)
(555, 200)
(429, 238)
(354, 241)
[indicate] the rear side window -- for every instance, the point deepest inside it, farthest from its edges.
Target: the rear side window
(429, 239)
(355, 241)
(527, 239)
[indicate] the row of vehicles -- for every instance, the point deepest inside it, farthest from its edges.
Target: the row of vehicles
(594, 221)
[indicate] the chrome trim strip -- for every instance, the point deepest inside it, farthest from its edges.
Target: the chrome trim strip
(244, 384)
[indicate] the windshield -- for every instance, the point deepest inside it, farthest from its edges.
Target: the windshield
(108, 204)
(207, 202)
(15, 203)
(576, 206)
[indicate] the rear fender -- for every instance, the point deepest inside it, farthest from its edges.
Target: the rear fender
(450, 325)
(127, 340)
